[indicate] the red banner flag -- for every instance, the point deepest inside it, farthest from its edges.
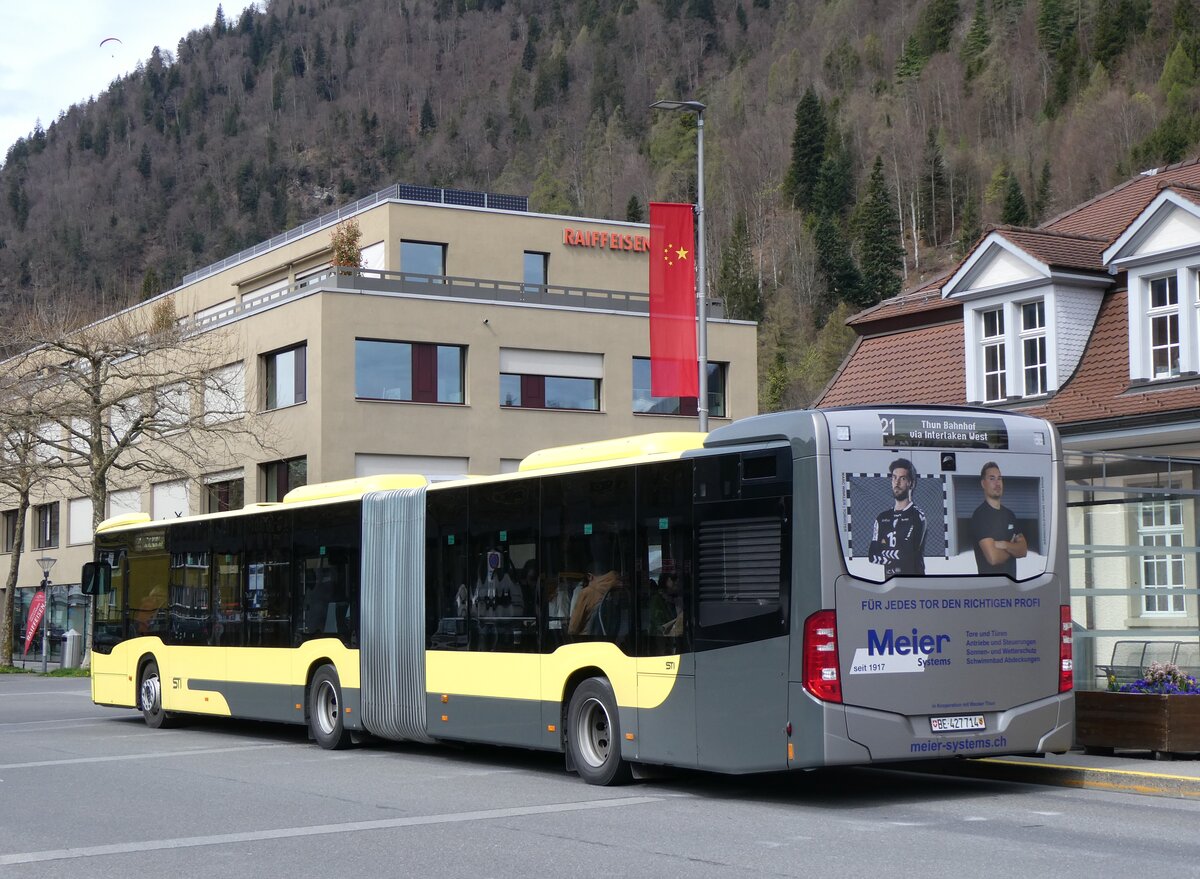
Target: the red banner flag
(674, 370)
(37, 609)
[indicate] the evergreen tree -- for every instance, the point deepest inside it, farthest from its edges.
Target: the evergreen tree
(737, 283)
(1041, 195)
(976, 43)
(150, 283)
(428, 120)
(842, 279)
(934, 192)
(878, 230)
(634, 213)
(911, 61)
(808, 151)
(834, 189)
(143, 162)
(936, 26)
(970, 228)
(529, 56)
(1015, 211)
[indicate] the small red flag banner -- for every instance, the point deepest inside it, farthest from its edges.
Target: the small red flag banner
(674, 370)
(37, 609)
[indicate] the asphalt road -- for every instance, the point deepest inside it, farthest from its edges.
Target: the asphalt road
(91, 792)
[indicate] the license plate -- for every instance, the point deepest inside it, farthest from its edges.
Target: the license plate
(957, 723)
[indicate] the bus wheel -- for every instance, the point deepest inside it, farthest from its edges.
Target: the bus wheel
(150, 698)
(325, 710)
(594, 734)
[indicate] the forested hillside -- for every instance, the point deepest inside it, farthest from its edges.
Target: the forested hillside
(853, 147)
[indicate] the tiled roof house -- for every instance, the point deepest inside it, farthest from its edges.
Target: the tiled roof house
(1091, 320)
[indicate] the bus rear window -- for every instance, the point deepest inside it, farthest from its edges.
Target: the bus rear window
(905, 513)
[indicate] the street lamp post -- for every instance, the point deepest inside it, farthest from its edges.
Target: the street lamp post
(45, 563)
(701, 298)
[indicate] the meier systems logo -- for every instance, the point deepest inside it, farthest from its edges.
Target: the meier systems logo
(889, 653)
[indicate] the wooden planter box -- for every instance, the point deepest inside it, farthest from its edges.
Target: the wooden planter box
(1165, 724)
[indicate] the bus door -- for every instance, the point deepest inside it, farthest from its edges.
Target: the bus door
(948, 617)
(743, 563)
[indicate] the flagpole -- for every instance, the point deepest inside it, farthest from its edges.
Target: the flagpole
(701, 300)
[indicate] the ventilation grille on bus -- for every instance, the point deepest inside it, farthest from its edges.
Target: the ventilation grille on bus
(740, 560)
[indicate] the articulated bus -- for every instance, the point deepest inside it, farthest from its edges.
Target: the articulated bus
(793, 590)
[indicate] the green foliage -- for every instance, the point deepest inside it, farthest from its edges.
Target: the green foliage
(143, 162)
(881, 254)
(1118, 23)
(911, 61)
(834, 189)
(1015, 211)
(634, 213)
(428, 119)
(151, 285)
(1178, 70)
(808, 151)
(842, 65)
(822, 358)
(934, 192)
(737, 282)
(976, 43)
(970, 228)
(1041, 195)
(346, 239)
(843, 282)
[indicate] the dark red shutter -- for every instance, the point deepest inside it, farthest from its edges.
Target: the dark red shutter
(533, 392)
(424, 373)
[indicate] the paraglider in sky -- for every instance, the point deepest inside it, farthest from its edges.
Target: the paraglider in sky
(114, 40)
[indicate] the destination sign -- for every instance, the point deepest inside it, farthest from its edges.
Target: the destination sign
(944, 432)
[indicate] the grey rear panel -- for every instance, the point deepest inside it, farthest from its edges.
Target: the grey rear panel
(392, 654)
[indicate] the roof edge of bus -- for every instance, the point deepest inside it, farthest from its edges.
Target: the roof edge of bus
(346, 489)
(666, 444)
(122, 521)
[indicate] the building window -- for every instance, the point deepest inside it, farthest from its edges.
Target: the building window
(417, 372)
(286, 373)
(422, 258)
(124, 501)
(280, 477)
(8, 529)
(536, 270)
(1160, 525)
(1164, 327)
(223, 495)
(549, 392)
(533, 379)
(225, 393)
(645, 403)
(46, 517)
(79, 521)
(1033, 347)
(169, 500)
(995, 380)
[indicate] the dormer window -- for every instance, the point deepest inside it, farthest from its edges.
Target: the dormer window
(995, 384)
(1033, 347)
(1164, 326)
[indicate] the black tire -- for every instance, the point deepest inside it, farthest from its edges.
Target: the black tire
(594, 734)
(325, 710)
(150, 698)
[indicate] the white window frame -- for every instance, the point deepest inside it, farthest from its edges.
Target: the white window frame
(998, 342)
(1037, 336)
(1166, 531)
(1164, 313)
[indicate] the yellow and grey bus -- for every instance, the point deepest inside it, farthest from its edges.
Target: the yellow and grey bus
(789, 591)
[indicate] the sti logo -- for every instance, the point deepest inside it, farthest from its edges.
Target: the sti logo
(891, 644)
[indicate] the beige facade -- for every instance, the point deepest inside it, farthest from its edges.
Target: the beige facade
(581, 327)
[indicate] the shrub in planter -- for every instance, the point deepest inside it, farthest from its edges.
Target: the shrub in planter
(1150, 714)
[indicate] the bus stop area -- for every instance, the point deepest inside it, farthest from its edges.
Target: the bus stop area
(1131, 772)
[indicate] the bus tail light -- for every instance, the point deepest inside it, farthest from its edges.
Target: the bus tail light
(1066, 650)
(821, 657)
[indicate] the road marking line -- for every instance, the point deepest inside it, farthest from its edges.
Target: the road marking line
(314, 830)
(1060, 768)
(81, 693)
(145, 755)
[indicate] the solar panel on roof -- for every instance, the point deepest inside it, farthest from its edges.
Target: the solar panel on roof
(420, 193)
(465, 197)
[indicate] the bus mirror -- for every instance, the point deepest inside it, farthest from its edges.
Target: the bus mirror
(97, 578)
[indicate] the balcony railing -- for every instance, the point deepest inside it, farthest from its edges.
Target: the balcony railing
(378, 282)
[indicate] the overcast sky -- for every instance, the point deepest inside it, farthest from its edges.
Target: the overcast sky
(51, 58)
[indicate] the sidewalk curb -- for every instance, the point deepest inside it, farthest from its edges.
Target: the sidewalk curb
(1157, 784)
